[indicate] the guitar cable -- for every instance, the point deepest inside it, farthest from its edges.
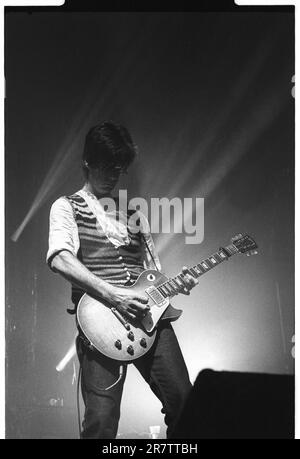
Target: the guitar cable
(78, 401)
(121, 372)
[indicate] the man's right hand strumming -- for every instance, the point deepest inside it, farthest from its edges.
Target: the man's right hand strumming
(131, 305)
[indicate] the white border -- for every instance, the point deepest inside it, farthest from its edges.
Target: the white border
(2, 89)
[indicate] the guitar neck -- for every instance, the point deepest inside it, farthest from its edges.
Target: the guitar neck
(175, 284)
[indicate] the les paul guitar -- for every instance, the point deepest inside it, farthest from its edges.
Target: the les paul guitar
(119, 338)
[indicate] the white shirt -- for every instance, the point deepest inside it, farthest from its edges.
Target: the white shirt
(63, 230)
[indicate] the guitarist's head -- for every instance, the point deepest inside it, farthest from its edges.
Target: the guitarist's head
(108, 152)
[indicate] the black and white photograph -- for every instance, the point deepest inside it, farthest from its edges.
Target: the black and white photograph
(143, 149)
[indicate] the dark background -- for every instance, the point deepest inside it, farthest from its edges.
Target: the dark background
(207, 98)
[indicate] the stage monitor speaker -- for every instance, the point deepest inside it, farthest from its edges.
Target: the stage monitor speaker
(232, 405)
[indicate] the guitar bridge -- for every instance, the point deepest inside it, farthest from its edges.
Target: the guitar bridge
(121, 318)
(155, 295)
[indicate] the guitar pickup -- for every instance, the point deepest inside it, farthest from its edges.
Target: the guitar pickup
(155, 295)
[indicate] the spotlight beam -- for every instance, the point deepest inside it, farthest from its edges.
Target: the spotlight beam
(67, 358)
(261, 119)
(97, 101)
(240, 89)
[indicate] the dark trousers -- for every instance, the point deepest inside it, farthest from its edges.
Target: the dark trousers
(163, 368)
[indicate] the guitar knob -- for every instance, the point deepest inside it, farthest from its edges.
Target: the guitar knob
(143, 342)
(130, 336)
(118, 344)
(130, 350)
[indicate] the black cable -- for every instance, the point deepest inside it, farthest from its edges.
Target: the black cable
(78, 405)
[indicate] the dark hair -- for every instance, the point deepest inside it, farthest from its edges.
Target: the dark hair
(108, 143)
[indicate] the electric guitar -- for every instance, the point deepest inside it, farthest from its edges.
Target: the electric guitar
(120, 338)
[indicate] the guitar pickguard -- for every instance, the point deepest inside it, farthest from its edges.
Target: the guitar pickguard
(153, 316)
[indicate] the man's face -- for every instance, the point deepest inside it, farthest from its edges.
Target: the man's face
(104, 178)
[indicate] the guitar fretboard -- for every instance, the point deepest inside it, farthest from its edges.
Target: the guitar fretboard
(175, 284)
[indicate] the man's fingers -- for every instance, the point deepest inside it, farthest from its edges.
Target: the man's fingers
(187, 275)
(192, 281)
(133, 313)
(129, 313)
(188, 279)
(139, 307)
(142, 299)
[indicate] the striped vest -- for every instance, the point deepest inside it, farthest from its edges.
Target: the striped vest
(116, 265)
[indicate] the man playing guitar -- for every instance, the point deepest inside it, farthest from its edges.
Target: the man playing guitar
(96, 251)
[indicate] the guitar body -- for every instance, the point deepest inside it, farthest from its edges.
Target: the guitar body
(126, 339)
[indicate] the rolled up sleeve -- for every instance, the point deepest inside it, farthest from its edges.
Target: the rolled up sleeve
(63, 233)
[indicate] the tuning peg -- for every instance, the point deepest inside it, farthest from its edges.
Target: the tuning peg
(236, 237)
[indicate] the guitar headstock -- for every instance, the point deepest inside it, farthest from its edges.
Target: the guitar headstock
(244, 244)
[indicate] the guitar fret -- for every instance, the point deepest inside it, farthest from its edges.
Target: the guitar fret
(218, 257)
(205, 266)
(169, 284)
(198, 270)
(164, 288)
(162, 291)
(208, 263)
(174, 285)
(193, 272)
(180, 281)
(223, 255)
(177, 283)
(213, 260)
(167, 287)
(201, 269)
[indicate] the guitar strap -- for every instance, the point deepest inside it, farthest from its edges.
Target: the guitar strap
(148, 248)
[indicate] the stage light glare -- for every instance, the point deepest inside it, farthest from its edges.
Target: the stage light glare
(67, 358)
(98, 100)
(258, 121)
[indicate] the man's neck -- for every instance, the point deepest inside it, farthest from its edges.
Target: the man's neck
(90, 189)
